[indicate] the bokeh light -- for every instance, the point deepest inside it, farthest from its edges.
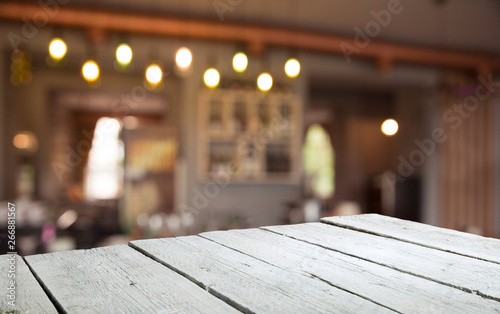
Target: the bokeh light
(240, 62)
(389, 127)
(26, 141)
(57, 49)
(183, 58)
(90, 71)
(124, 54)
(154, 74)
(292, 68)
(265, 82)
(211, 77)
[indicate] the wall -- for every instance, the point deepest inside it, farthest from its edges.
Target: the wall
(258, 204)
(30, 108)
(3, 131)
(261, 204)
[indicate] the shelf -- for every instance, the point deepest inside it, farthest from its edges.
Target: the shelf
(257, 133)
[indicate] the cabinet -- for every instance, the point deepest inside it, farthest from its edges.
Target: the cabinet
(249, 136)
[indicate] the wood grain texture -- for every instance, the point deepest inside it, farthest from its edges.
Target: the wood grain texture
(396, 290)
(118, 279)
(250, 284)
(462, 243)
(30, 297)
(467, 274)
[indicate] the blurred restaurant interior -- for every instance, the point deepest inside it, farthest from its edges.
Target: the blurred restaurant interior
(135, 119)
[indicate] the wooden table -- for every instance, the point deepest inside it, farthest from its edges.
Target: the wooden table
(366, 263)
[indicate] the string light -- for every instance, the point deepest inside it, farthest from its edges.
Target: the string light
(292, 67)
(211, 77)
(265, 82)
(57, 49)
(183, 58)
(124, 54)
(154, 74)
(90, 71)
(240, 62)
(389, 127)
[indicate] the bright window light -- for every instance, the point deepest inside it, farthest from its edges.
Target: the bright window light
(318, 157)
(104, 173)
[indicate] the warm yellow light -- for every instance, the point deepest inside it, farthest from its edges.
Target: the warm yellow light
(90, 71)
(211, 77)
(389, 127)
(154, 74)
(124, 54)
(183, 58)
(57, 49)
(240, 62)
(130, 122)
(265, 82)
(292, 67)
(26, 141)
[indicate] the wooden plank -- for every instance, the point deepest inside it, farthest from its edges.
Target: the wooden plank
(29, 295)
(118, 279)
(468, 274)
(448, 240)
(399, 291)
(249, 284)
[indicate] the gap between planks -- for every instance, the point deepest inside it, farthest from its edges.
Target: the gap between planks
(158, 253)
(310, 274)
(358, 223)
(381, 263)
(288, 253)
(222, 297)
(45, 289)
(121, 270)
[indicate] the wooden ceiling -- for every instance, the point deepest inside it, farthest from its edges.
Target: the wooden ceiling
(256, 37)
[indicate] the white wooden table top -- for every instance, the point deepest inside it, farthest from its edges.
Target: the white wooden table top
(355, 264)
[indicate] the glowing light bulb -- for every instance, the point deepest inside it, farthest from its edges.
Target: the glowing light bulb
(26, 141)
(90, 71)
(57, 49)
(183, 58)
(292, 67)
(154, 74)
(240, 62)
(124, 54)
(211, 77)
(389, 127)
(265, 82)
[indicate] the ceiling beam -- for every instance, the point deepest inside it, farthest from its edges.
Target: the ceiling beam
(257, 37)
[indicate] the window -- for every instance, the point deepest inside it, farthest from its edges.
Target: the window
(318, 158)
(104, 171)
